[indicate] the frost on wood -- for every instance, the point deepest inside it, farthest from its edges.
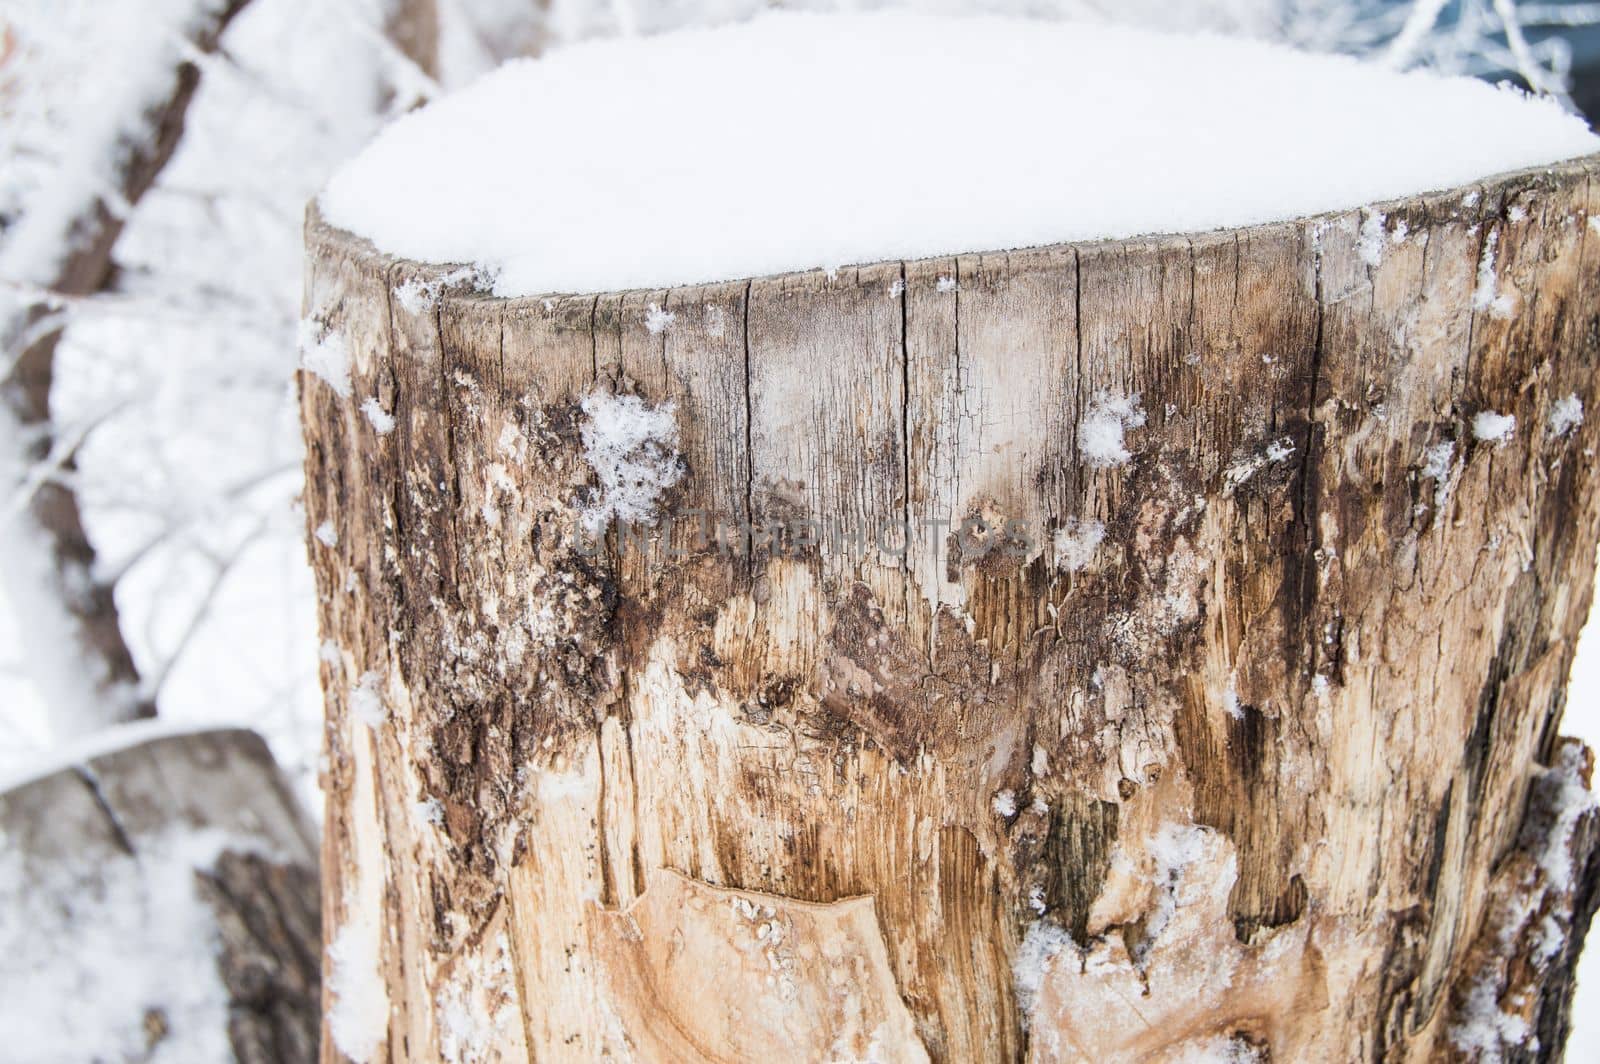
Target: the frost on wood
(1488, 295)
(1566, 414)
(381, 420)
(632, 448)
(419, 296)
(1493, 427)
(324, 353)
(1370, 246)
(366, 701)
(1076, 542)
(358, 1015)
(1102, 431)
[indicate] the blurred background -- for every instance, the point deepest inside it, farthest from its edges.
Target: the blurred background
(156, 157)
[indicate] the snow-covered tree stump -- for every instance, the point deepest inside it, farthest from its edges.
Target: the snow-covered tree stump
(1098, 652)
(158, 901)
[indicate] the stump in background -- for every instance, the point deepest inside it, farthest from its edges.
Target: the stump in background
(1211, 703)
(160, 902)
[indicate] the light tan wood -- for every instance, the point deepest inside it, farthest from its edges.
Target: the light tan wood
(1226, 744)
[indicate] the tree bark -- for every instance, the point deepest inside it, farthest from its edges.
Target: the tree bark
(1212, 705)
(95, 845)
(413, 27)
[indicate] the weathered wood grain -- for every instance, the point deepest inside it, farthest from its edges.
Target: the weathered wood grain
(1219, 735)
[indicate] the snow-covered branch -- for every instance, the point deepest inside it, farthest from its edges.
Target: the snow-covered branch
(61, 239)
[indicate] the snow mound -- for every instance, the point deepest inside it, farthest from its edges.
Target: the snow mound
(801, 140)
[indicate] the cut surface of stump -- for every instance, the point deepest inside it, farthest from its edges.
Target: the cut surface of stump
(1114, 651)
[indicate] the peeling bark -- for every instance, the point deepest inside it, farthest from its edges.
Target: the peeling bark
(1199, 712)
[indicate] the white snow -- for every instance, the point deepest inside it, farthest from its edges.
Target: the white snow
(1004, 804)
(358, 1015)
(1554, 857)
(1100, 432)
(632, 449)
(1565, 415)
(1082, 131)
(1487, 295)
(1493, 427)
(417, 297)
(1076, 542)
(381, 420)
(1437, 461)
(89, 945)
(366, 704)
(325, 354)
(1041, 944)
(1239, 473)
(326, 534)
(1174, 847)
(1370, 243)
(1483, 1027)
(476, 1008)
(657, 320)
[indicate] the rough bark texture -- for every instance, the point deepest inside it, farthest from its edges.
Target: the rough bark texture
(1226, 743)
(71, 832)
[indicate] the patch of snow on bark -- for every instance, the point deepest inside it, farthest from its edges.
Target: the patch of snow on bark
(1174, 847)
(358, 1016)
(657, 320)
(1565, 415)
(477, 1007)
(1369, 245)
(633, 450)
(1493, 427)
(1574, 799)
(1487, 295)
(381, 420)
(1240, 472)
(417, 297)
(1075, 543)
(366, 704)
(1437, 461)
(1041, 944)
(1101, 431)
(325, 354)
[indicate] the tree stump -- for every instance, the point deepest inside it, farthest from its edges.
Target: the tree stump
(158, 901)
(1100, 652)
